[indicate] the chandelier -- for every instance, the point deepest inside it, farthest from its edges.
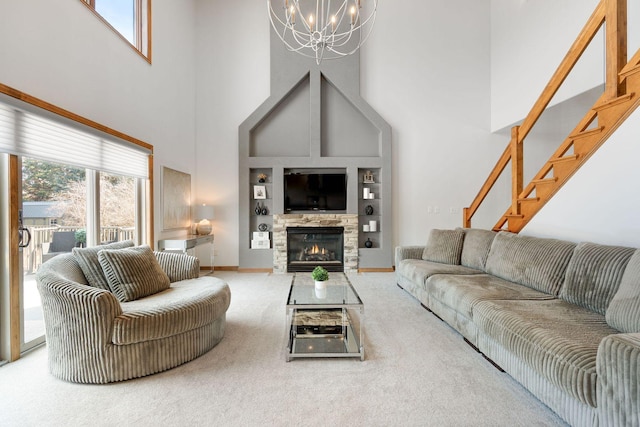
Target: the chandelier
(323, 29)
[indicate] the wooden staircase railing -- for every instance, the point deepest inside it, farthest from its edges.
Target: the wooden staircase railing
(607, 114)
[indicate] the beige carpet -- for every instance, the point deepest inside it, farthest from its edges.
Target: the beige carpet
(417, 372)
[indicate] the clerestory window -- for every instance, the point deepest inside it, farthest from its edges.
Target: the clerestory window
(131, 19)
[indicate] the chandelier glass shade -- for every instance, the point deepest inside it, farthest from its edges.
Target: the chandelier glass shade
(323, 29)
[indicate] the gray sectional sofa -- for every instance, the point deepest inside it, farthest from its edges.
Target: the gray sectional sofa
(97, 335)
(561, 318)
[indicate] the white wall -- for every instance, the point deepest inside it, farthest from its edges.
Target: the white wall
(529, 39)
(232, 77)
(425, 69)
(600, 203)
(99, 76)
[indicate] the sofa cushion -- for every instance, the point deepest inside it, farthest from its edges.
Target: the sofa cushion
(418, 271)
(623, 312)
(593, 275)
(87, 259)
(462, 293)
(475, 248)
(132, 273)
(530, 261)
(444, 246)
(186, 305)
(557, 339)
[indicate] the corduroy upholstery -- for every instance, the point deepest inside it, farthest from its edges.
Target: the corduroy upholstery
(132, 273)
(462, 293)
(93, 338)
(594, 274)
(550, 313)
(623, 312)
(87, 259)
(618, 368)
(444, 246)
(556, 339)
(178, 266)
(412, 271)
(537, 263)
(476, 247)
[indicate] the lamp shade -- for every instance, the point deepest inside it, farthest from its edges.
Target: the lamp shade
(203, 212)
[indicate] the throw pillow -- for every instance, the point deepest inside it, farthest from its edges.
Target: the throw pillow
(444, 246)
(476, 247)
(87, 259)
(623, 312)
(132, 273)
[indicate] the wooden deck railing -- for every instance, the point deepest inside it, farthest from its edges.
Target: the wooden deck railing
(41, 238)
(614, 13)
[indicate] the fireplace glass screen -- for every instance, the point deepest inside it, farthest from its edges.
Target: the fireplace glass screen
(308, 247)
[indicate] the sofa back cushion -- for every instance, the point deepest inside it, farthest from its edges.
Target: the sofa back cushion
(476, 247)
(87, 258)
(594, 274)
(444, 246)
(133, 273)
(530, 261)
(623, 312)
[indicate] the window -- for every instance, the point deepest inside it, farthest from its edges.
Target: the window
(131, 19)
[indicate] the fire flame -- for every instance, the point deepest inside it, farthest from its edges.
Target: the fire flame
(316, 250)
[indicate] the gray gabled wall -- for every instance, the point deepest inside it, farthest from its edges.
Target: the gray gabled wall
(314, 119)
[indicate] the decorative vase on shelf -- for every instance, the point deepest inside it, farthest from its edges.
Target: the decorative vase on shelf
(258, 210)
(368, 210)
(264, 210)
(368, 243)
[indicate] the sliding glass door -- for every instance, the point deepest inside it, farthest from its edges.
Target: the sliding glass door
(53, 215)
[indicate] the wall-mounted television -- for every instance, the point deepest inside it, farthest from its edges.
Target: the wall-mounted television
(315, 192)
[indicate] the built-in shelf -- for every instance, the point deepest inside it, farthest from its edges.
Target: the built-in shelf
(261, 216)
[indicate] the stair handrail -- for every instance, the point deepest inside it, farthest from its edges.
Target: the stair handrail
(613, 11)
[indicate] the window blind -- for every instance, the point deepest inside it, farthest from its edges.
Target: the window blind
(29, 134)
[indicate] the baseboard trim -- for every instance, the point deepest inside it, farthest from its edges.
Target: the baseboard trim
(376, 270)
(219, 268)
(253, 270)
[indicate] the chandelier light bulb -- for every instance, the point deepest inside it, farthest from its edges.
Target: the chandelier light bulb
(332, 30)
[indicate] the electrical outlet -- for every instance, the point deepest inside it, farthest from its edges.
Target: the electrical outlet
(436, 210)
(429, 209)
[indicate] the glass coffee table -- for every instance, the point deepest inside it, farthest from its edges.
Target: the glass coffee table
(324, 323)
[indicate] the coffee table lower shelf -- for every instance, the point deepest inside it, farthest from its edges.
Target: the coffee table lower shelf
(324, 333)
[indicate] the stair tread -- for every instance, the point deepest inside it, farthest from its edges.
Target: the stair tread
(545, 180)
(587, 132)
(615, 101)
(529, 199)
(572, 157)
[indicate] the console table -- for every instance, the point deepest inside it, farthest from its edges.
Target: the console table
(185, 244)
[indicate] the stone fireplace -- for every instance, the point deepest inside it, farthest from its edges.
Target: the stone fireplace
(310, 234)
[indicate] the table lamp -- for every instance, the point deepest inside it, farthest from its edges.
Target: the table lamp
(203, 214)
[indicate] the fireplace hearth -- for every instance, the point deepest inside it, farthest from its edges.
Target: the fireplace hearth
(308, 247)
